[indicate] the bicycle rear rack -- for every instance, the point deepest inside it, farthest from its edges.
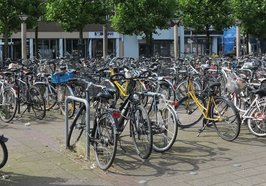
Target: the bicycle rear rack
(87, 121)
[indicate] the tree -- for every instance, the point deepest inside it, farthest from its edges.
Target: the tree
(9, 21)
(74, 15)
(252, 14)
(204, 14)
(143, 17)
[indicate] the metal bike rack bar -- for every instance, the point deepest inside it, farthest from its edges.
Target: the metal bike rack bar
(87, 120)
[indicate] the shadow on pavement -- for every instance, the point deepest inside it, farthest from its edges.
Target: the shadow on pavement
(185, 157)
(9, 178)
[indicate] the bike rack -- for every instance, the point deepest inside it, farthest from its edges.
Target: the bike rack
(87, 121)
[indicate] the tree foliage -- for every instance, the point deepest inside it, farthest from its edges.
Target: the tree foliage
(9, 21)
(201, 14)
(74, 15)
(252, 14)
(142, 16)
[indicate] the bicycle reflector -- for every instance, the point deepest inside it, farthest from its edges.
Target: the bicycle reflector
(175, 103)
(116, 115)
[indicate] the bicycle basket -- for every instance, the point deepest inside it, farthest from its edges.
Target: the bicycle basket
(62, 77)
(235, 83)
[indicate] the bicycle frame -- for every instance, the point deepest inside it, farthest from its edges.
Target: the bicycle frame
(204, 110)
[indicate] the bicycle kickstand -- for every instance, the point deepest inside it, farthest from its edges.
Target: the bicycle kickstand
(205, 123)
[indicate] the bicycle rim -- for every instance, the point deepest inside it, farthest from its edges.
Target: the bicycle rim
(8, 106)
(164, 124)
(229, 126)
(141, 132)
(257, 124)
(76, 130)
(105, 142)
(37, 103)
(188, 112)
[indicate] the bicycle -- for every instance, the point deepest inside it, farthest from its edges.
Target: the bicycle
(8, 100)
(252, 111)
(164, 121)
(215, 110)
(133, 111)
(29, 96)
(102, 134)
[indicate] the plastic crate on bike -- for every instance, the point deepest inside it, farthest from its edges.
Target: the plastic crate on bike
(62, 77)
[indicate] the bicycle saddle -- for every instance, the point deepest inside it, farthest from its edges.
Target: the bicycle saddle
(261, 92)
(104, 95)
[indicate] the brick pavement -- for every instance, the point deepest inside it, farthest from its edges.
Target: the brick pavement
(37, 156)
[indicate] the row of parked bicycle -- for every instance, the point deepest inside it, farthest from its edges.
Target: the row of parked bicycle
(155, 97)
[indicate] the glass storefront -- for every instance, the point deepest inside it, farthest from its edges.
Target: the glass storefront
(97, 48)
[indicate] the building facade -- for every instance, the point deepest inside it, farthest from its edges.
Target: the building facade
(53, 42)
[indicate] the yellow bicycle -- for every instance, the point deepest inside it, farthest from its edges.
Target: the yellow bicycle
(215, 110)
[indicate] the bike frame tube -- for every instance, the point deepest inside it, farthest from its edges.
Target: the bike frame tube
(203, 110)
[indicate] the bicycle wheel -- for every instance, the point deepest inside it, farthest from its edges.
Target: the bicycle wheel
(164, 124)
(3, 153)
(76, 129)
(141, 132)
(181, 88)
(188, 112)
(37, 102)
(62, 92)
(8, 105)
(49, 94)
(105, 141)
(257, 124)
(228, 126)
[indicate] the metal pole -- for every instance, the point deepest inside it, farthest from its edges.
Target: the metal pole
(237, 41)
(23, 40)
(176, 51)
(105, 41)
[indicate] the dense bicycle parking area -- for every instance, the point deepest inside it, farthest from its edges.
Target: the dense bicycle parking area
(154, 97)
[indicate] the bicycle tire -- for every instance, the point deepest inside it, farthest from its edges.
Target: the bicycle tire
(105, 141)
(37, 102)
(49, 94)
(62, 93)
(76, 129)
(141, 132)
(164, 128)
(166, 88)
(3, 154)
(182, 88)
(257, 124)
(188, 112)
(229, 128)
(8, 108)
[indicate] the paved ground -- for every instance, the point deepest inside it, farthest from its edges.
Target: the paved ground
(37, 156)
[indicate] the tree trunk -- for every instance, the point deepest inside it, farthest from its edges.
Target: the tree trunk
(36, 43)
